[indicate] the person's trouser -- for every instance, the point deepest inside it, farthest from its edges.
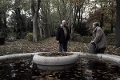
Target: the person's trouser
(63, 46)
(94, 50)
(102, 50)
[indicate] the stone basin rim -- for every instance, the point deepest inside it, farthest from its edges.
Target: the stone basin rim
(55, 60)
(104, 57)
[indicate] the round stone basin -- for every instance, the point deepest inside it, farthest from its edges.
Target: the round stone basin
(21, 67)
(55, 61)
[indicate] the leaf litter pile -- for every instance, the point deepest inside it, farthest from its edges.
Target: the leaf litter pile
(52, 54)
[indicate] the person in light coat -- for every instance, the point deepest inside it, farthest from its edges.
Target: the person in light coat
(99, 39)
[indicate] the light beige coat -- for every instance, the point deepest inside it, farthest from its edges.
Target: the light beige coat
(99, 38)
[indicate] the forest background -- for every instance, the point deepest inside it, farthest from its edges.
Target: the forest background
(30, 25)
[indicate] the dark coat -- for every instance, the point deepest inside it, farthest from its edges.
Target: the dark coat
(60, 34)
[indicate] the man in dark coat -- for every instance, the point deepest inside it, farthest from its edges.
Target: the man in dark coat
(63, 36)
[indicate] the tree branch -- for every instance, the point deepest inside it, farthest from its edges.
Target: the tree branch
(38, 5)
(32, 7)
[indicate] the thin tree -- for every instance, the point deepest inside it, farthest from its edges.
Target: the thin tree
(118, 24)
(35, 6)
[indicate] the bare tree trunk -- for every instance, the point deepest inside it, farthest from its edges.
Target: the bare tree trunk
(112, 27)
(35, 28)
(75, 14)
(34, 10)
(40, 31)
(118, 24)
(101, 20)
(58, 9)
(62, 10)
(112, 17)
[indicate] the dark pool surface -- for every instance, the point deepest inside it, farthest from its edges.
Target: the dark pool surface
(24, 69)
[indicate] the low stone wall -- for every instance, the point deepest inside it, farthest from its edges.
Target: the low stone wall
(114, 59)
(16, 56)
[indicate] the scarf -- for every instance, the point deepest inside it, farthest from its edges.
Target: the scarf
(65, 31)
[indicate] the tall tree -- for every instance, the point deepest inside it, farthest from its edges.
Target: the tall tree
(118, 24)
(35, 6)
(4, 7)
(45, 17)
(112, 12)
(18, 19)
(79, 7)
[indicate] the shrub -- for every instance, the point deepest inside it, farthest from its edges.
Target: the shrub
(79, 38)
(29, 36)
(86, 39)
(82, 29)
(111, 39)
(2, 41)
(75, 37)
(2, 38)
(23, 35)
(2, 35)
(107, 32)
(11, 37)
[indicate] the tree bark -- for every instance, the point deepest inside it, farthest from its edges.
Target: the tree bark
(34, 9)
(112, 17)
(102, 20)
(118, 24)
(35, 28)
(40, 31)
(112, 27)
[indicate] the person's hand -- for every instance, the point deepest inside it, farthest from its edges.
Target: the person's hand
(91, 42)
(58, 42)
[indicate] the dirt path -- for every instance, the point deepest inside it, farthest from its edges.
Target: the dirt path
(47, 45)
(51, 45)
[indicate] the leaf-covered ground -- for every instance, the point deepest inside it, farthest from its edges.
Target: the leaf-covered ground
(47, 45)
